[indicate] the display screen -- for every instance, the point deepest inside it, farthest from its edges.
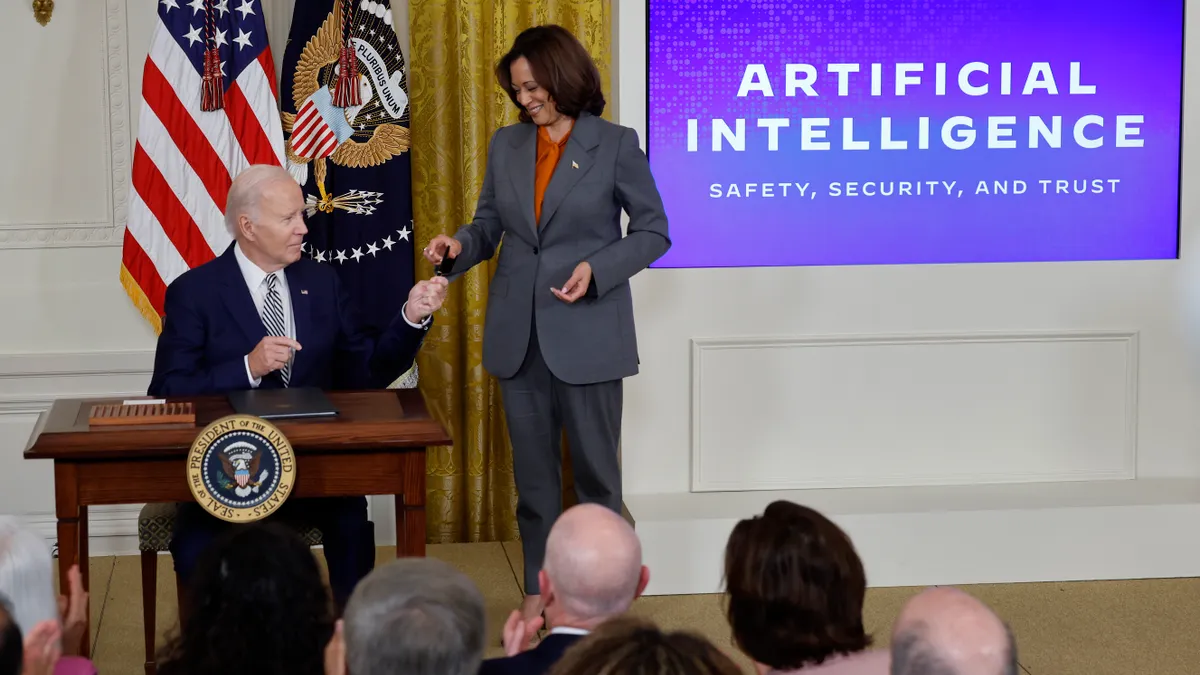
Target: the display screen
(863, 132)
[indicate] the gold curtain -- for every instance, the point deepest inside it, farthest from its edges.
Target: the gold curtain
(456, 106)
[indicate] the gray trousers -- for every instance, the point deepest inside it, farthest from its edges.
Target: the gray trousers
(537, 406)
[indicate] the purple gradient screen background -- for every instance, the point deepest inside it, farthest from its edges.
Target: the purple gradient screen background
(1131, 52)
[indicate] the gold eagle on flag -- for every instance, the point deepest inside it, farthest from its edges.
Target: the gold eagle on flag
(367, 133)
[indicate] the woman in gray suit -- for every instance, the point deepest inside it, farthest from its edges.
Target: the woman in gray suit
(559, 332)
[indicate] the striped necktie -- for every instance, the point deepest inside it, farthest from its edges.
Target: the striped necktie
(272, 318)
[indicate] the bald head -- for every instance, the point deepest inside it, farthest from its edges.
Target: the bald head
(944, 631)
(593, 566)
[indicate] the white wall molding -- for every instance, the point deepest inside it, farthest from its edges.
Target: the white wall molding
(114, 64)
(784, 413)
(29, 384)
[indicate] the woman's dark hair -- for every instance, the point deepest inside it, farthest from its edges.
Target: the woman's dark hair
(560, 65)
(630, 646)
(795, 588)
(256, 605)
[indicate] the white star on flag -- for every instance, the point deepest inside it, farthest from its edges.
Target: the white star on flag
(404, 232)
(193, 36)
(388, 243)
(246, 8)
(170, 4)
(341, 256)
(372, 249)
(222, 7)
(243, 39)
(197, 6)
(356, 254)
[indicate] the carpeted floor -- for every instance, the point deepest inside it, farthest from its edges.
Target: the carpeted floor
(1088, 628)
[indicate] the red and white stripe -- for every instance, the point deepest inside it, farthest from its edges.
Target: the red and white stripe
(185, 158)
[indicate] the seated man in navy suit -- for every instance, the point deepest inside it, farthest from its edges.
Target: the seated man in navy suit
(592, 572)
(260, 316)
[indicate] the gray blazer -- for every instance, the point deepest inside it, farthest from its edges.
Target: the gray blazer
(602, 171)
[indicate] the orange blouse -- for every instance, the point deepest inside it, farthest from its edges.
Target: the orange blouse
(548, 153)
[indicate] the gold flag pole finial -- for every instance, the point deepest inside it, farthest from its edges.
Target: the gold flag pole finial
(42, 9)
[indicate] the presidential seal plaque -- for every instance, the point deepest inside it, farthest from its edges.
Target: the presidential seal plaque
(241, 468)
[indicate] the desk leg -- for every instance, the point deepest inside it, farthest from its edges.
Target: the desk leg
(72, 541)
(410, 508)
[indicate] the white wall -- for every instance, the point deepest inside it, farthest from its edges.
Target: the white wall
(878, 384)
(69, 329)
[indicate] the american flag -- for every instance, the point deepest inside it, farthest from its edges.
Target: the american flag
(185, 156)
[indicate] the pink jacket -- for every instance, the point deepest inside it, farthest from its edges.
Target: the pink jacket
(74, 665)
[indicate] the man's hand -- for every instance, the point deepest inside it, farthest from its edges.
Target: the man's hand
(425, 298)
(519, 634)
(271, 354)
(436, 250)
(335, 652)
(41, 649)
(72, 610)
(577, 285)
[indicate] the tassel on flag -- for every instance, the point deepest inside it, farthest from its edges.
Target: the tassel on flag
(212, 83)
(346, 92)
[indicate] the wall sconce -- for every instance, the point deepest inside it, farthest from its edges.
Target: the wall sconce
(42, 9)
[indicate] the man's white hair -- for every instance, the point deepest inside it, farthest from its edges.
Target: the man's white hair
(26, 574)
(245, 194)
(594, 562)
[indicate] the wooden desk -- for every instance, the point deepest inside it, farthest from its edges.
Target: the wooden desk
(376, 445)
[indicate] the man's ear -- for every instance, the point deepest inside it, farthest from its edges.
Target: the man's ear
(642, 581)
(546, 587)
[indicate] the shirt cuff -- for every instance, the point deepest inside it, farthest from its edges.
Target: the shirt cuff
(253, 382)
(404, 313)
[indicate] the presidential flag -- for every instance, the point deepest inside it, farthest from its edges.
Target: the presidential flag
(209, 109)
(345, 117)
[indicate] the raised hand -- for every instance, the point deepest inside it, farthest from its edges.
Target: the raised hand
(519, 633)
(436, 250)
(271, 354)
(72, 610)
(425, 298)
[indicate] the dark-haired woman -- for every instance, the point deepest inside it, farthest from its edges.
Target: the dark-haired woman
(256, 606)
(559, 332)
(795, 588)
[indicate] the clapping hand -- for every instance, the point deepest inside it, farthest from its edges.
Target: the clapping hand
(72, 610)
(519, 633)
(425, 298)
(41, 649)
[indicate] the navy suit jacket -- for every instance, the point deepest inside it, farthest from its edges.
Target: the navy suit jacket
(211, 324)
(536, 661)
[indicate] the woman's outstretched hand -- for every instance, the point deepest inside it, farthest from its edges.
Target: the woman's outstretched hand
(436, 250)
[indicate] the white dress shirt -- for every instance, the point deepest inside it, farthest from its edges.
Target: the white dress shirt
(256, 282)
(567, 630)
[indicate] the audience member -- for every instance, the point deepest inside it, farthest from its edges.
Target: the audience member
(944, 631)
(592, 572)
(11, 652)
(631, 646)
(416, 616)
(795, 588)
(257, 605)
(27, 581)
